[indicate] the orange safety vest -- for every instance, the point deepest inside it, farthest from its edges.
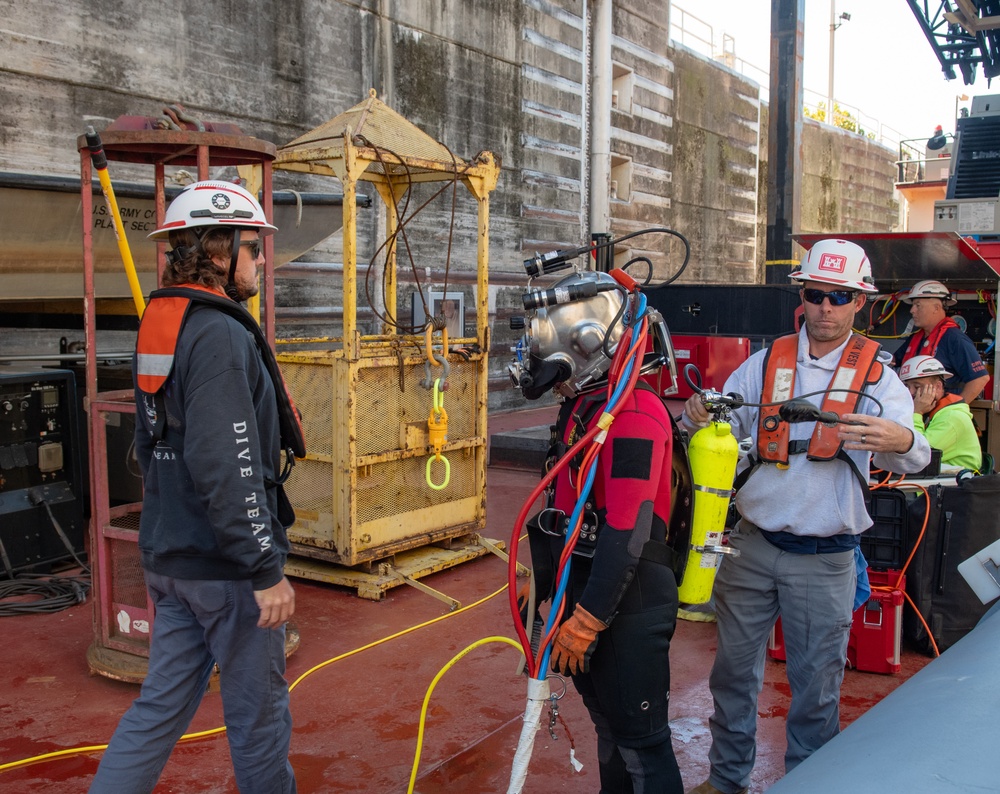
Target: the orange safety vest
(858, 367)
(158, 334)
(933, 339)
(159, 331)
(946, 400)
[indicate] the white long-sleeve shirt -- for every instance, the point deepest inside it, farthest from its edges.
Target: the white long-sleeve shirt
(816, 498)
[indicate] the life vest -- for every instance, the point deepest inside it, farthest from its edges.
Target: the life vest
(857, 368)
(159, 331)
(946, 400)
(933, 339)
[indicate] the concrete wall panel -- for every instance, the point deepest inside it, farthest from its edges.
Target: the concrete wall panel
(511, 77)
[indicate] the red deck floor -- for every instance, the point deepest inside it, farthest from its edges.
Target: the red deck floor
(356, 719)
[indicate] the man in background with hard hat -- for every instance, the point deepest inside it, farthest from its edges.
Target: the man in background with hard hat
(943, 419)
(939, 336)
(802, 502)
(209, 435)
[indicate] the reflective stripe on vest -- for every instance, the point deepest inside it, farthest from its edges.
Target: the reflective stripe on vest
(157, 340)
(858, 366)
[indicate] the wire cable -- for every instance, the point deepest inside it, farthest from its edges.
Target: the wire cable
(44, 593)
(34, 593)
(430, 690)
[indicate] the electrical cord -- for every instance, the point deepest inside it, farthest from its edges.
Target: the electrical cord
(909, 559)
(430, 690)
(33, 593)
(46, 593)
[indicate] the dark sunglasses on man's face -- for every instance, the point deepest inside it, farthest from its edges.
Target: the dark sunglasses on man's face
(255, 247)
(838, 297)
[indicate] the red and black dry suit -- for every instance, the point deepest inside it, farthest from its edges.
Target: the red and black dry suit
(622, 575)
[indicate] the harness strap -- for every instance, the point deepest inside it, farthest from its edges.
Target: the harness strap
(857, 368)
(933, 339)
(155, 360)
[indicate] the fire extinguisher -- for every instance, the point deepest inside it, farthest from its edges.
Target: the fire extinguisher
(713, 454)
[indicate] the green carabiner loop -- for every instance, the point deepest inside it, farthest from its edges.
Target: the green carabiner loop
(447, 472)
(437, 430)
(438, 396)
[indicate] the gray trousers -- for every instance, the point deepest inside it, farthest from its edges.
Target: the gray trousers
(814, 594)
(197, 624)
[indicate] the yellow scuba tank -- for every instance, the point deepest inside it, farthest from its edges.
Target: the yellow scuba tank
(713, 453)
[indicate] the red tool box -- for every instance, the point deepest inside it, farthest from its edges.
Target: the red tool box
(876, 629)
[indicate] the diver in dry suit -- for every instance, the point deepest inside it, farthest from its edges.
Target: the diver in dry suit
(621, 600)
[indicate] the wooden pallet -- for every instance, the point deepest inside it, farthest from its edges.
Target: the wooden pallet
(406, 567)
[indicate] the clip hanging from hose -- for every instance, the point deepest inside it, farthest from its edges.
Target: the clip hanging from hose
(437, 436)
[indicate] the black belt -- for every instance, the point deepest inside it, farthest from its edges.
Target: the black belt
(807, 544)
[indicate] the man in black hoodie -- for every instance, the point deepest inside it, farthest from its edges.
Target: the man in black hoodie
(213, 549)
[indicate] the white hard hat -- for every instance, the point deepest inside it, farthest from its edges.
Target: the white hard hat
(930, 289)
(837, 262)
(213, 203)
(922, 367)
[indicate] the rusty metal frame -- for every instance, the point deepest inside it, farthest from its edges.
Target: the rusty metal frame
(371, 143)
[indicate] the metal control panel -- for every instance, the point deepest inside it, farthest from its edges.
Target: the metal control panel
(40, 469)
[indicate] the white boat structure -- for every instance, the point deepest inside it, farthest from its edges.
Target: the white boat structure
(41, 222)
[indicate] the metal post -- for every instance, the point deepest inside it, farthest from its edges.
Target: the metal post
(830, 114)
(605, 253)
(784, 148)
(600, 142)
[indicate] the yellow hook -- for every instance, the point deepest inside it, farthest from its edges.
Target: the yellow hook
(437, 436)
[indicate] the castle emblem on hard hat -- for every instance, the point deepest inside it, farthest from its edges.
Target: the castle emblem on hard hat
(220, 201)
(834, 262)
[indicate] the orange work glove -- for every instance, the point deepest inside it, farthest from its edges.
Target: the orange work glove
(575, 642)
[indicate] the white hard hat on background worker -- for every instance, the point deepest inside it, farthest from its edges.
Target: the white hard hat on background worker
(922, 367)
(930, 289)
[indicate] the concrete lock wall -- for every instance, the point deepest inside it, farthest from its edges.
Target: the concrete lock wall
(688, 140)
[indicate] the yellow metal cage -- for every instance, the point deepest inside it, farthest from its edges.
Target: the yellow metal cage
(362, 493)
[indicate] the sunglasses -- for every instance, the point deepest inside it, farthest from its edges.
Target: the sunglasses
(838, 297)
(255, 247)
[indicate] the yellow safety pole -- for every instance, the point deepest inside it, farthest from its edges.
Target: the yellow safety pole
(252, 177)
(100, 162)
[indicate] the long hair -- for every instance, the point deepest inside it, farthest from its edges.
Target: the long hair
(195, 265)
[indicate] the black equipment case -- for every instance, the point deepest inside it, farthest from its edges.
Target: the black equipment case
(963, 520)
